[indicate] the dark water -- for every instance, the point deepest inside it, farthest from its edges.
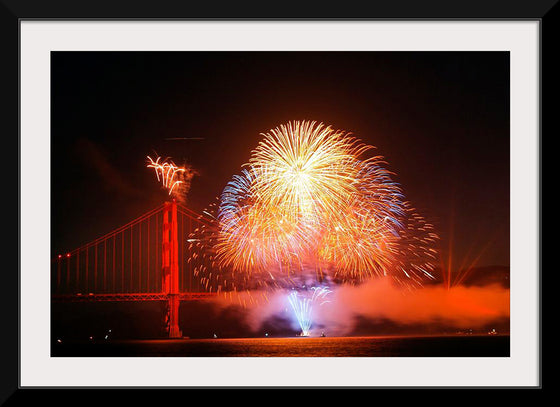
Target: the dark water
(433, 346)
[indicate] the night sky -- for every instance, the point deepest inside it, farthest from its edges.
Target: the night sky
(440, 119)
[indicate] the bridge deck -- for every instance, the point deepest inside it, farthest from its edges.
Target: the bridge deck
(130, 297)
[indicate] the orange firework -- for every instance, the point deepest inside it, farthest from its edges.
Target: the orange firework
(306, 169)
(308, 200)
(167, 173)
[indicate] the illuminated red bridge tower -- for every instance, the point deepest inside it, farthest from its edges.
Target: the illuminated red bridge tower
(143, 260)
(170, 268)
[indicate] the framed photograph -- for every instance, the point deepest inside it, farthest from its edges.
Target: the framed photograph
(202, 200)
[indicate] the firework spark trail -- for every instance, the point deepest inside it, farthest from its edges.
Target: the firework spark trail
(302, 305)
(302, 311)
(171, 176)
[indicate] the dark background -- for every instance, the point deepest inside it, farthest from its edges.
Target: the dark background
(441, 120)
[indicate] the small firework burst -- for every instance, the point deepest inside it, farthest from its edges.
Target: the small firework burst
(172, 177)
(302, 302)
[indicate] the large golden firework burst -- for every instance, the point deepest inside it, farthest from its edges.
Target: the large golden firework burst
(308, 199)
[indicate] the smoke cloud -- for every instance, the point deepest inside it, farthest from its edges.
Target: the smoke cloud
(459, 307)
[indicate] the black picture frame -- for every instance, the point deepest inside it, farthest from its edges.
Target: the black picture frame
(12, 12)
